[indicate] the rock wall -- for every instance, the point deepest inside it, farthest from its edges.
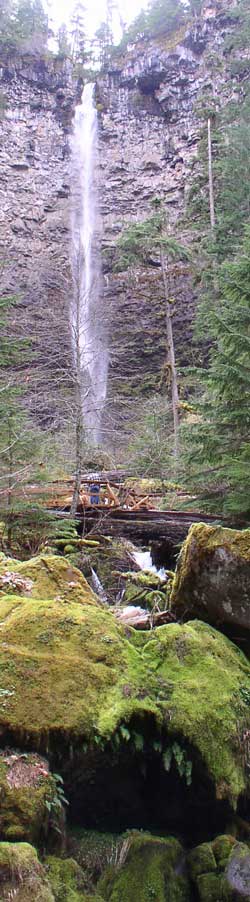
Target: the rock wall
(150, 120)
(149, 113)
(37, 99)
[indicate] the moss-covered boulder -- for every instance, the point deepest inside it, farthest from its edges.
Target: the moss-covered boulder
(71, 674)
(212, 579)
(22, 877)
(220, 870)
(27, 794)
(44, 577)
(149, 868)
(146, 590)
(66, 879)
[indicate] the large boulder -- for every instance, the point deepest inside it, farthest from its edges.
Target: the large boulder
(45, 576)
(212, 579)
(72, 677)
(149, 867)
(220, 870)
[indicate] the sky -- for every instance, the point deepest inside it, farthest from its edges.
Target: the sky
(61, 11)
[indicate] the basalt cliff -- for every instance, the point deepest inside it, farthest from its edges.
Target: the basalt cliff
(150, 107)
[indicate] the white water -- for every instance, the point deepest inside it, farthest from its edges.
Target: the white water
(87, 318)
(144, 561)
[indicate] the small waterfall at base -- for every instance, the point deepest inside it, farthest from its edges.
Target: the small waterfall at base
(87, 319)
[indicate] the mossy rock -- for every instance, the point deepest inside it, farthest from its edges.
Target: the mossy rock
(69, 671)
(150, 868)
(146, 590)
(212, 579)
(213, 888)
(22, 877)
(26, 790)
(202, 861)
(220, 870)
(45, 576)
(66, 879)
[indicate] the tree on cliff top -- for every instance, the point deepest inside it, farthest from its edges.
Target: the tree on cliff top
(138, 243)
(22, 22)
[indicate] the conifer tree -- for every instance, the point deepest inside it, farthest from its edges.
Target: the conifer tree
(220, 438)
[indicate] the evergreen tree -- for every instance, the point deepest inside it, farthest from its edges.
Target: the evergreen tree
(31, 22)
(78, 34)
(63, 41)
(220, 438)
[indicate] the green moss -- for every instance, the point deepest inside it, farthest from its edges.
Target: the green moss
(149, 872)
(201, 860)
(66, 879)
(49, 576)
(70, 669)
(203, 540)
(214, 867)
(213, 888)
(222, 847)
(139, 591)
(22, 877)
(25, 788)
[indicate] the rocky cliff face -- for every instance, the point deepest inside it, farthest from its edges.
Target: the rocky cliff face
(149, 110)
(37, 107)
(151, 104)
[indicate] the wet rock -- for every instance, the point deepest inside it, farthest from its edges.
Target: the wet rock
(212, 579)
(238, 871)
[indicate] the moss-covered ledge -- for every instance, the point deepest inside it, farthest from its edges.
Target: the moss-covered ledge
(71, 674)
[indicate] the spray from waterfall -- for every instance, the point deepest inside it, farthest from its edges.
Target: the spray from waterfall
(87, 318)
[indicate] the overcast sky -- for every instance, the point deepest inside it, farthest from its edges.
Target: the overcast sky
(61, 11)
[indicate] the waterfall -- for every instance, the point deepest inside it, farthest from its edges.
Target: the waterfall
(87, 318)
(144, 561)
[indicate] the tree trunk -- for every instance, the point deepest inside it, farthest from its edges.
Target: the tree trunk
(171, 358)
(210, 176)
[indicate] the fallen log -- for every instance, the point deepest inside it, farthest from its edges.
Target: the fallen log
(140, 619)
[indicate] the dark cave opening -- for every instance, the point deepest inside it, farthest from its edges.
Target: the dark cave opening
(120, 787)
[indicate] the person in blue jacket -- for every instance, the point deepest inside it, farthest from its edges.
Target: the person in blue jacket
(94, 494)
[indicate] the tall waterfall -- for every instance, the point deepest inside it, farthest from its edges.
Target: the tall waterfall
(87, 317)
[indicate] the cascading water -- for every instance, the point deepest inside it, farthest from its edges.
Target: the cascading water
(87, 319)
